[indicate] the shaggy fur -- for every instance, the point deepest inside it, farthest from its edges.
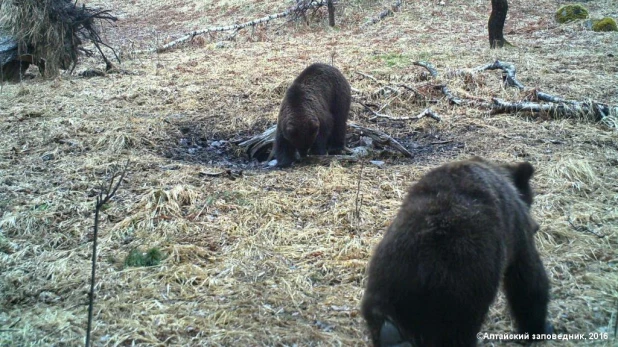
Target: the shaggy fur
(313, 115)
(462, 228)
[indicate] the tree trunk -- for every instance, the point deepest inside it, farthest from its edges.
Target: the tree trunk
(331, 13)
(496, 23)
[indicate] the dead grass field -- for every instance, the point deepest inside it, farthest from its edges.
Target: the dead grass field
(277, 257)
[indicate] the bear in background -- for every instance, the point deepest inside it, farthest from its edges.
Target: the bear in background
(313, 115)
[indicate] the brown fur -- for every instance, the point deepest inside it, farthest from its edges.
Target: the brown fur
(462, 228)
(313, 114)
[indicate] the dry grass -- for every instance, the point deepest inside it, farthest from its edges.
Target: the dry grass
(277, 258)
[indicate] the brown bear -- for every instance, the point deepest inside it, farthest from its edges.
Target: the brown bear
(313, 115)
(462, 228)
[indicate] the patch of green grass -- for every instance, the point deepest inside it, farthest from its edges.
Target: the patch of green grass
(41, 207)
(137, 258)
(424, 56)
(228, 197)
(393, 59)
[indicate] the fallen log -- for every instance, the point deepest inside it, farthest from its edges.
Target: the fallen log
(300, 7)
(590, 111)
(387, 12)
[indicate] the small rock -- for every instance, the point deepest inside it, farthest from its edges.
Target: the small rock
(272, 163)
(360, 152)
(48, 297)
(222, 44)
(324, 326)
(366, 141)
(218, 143)
(170, 167)
(377, 163)
(47, 156)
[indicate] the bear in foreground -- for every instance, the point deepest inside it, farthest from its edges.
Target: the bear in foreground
(313, 115)
(462, 228)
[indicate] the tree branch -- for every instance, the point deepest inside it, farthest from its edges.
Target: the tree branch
(432, 70)
(102, 199)
(509, 72)
(387, 12)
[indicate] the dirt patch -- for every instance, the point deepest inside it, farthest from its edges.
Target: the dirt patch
(193, 142)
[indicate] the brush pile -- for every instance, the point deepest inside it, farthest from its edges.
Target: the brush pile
(48, 33)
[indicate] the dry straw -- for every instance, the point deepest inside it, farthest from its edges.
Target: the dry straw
(277, 258)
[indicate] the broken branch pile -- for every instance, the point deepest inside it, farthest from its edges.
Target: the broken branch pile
(53, 31)
(536, 102)
(260, 146)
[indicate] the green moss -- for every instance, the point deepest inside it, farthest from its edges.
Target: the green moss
(424, 56)
(153, 257)
(393, 59)
(568, 13)
(605, 24)
(136, 258)
(41, 207)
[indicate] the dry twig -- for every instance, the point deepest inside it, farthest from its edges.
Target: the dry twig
(387, 12)
(359, 202)
(426, 112)
(449, 95)
(585, 229)
(368, 76)
(381, 138)
(102, 199)
(432, 69)
(416, 93)
(509, 72)
(558, 107)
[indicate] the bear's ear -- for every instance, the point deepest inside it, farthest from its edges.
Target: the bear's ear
(521, 174)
